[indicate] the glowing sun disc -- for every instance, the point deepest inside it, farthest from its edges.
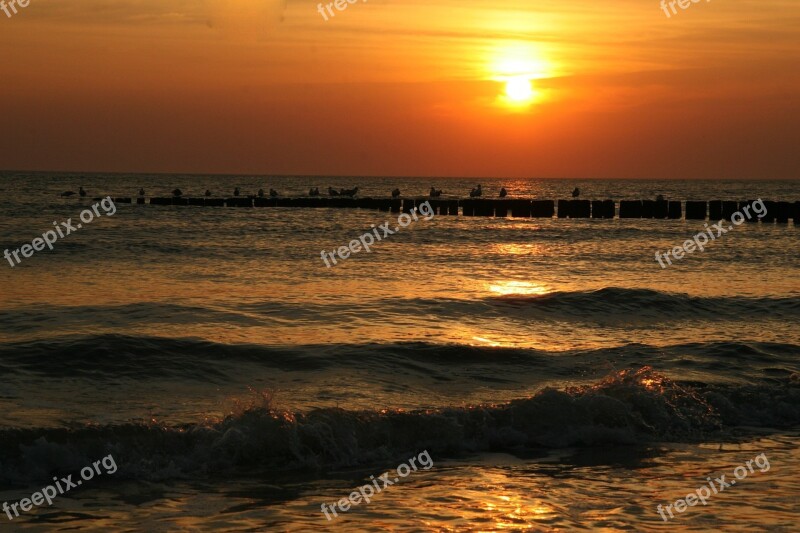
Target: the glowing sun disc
(519, 90)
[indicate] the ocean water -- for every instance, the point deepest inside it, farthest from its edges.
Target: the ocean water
(557, 376)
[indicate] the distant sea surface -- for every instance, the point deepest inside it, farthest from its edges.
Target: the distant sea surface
(559, 378)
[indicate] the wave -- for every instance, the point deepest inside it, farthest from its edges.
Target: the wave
(612, 305)
(114, 356)
(106, 357)
(636, 304)
(42, 318)
(601, 305)
(627, 407)
(99, 356)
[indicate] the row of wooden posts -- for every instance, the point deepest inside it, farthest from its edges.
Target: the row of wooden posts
(778, 211)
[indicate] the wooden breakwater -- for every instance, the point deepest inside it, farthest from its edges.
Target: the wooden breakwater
(776, 211)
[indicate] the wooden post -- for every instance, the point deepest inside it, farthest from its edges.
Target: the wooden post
(662, 209)
(728, 209)
(648, 208)
(715, 210)
(630, 209)
(501, 208)
(675, 210)
(772, 208)
(543, 208)
(696, 210)
(564, 209)
(484, 208)
(580, 208)
(521, 208)
(468, 208)
(784, 212)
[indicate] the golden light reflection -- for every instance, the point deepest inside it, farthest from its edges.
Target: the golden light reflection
(516, 512)
(488, 342)
(521, 249)
(654, 383)
(506, 288)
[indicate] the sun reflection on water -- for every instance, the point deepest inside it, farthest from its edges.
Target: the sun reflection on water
(518, 287)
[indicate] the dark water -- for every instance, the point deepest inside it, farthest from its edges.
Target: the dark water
(557, 375)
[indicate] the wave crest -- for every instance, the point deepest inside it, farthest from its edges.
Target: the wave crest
(627, 407)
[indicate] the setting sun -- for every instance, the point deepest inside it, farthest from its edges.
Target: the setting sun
(517, 66)
(519, 90)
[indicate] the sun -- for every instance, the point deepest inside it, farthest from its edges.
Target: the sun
(518, 66)
(519, 90)
(519, 93)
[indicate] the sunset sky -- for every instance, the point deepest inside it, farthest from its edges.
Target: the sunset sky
(606, 89)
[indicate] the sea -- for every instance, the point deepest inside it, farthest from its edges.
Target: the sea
(556, 375)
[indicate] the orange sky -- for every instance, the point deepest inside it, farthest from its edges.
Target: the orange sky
(406, 87)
